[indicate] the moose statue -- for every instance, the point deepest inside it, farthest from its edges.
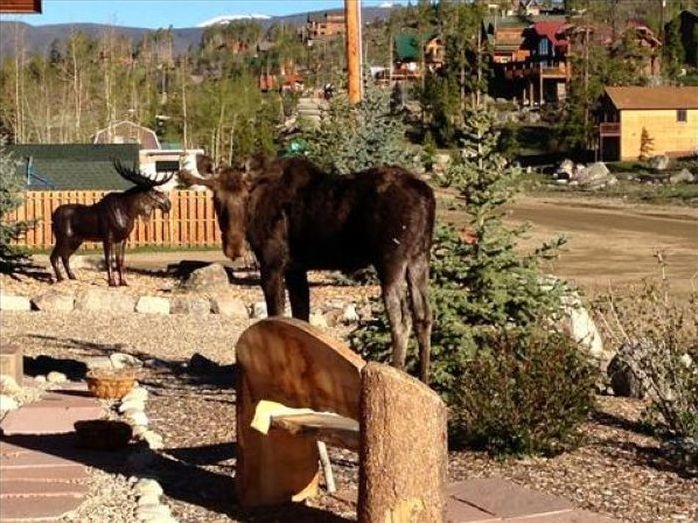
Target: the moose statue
(297, 218)
(109, 221)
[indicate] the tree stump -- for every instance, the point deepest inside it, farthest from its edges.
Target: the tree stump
(403, 452)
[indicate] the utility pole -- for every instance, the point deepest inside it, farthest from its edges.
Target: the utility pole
(353, 24)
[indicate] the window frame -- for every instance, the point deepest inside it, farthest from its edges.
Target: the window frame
(682, 115)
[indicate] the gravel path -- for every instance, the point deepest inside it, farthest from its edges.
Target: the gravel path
(617, 472)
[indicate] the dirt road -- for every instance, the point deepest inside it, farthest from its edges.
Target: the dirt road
(612, 241)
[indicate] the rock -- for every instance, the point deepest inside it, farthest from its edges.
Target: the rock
(686, 360)
(11, 303)
(153, 305)
(40, 379)
(200, 364)
(660, 162)
(259, 310)
(56, 377)
(136, 394)
(228, 305)
(684, 176)
(131, 404)
(105, 300)
(318, 320)
(190, 305)
(140, 459)
(683, 453)
(138, 431)
(580, 326)
(566, 167)
(98, 362)
(349, 314)
(8, 403)
(153, 439)
(365, 312)
(441, 162)
(625, 380)
(54, 301)
(211, 277)
(593, 177)
(147, 486)
(149, 499)
(136, 417)
(151, 513)
(120, 360)
(9, 386)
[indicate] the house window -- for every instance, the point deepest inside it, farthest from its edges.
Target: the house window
(681, 115)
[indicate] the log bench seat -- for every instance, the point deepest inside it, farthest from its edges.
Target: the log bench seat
(296, 386)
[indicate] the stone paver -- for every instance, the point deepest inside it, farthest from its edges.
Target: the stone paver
(33, 508)
(460, 512)
(66, 474)
(505, 499)
(23, 487)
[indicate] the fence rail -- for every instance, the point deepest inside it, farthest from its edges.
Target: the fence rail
(190, 223)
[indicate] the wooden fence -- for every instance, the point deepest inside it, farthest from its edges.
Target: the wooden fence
(190, 223)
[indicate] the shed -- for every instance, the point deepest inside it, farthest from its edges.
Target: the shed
(127, 132)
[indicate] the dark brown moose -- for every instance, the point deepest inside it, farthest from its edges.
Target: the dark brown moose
(109, 221)
(297, 218)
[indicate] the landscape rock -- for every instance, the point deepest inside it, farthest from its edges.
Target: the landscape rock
(228, 305)
(9, 386)
(56, 377)
(54, 301)
(594, 176)
(259, 310)
(136, 394)
(318, 320)
(153, 305)
(625, 378)
(147, 486)
(441, 162)
(138, 431)
(211, 277)
(150, 513)
(349, 314)
(121, 360)
(580, 326)
(153, 439)
(131, 404)
(190, 305)
(136, 417)
(105, 300)
(202, 365)
(660, 162)
(141, 458)
(11, 303)
(684, 176)
(149, 499)
(8, 403)
(98, 362)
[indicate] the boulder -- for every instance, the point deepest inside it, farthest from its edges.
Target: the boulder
(56, 377)
(580, 326)
(318, 320)
(594, 176)
(190, 305)
(660, 162)
(349, 314)
(148, 486)
(8, 403)
(120, 360)
(54, 301)
(625, 378)
(229, 305)
(9, 386)
(105, 300)
(259, 310)
(9, 302)
(441, 162)
(684, 176)
(206, 279)
(136, 394)
(153, 305)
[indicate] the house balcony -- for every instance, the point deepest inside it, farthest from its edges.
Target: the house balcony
(609, 129)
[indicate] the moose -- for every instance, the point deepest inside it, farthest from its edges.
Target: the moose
(109, 221)
(297, 218)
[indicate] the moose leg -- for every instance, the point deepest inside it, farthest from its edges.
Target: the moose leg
(394, 290)
(120, 254)
(418, 284)
(107, 260)
(66, 253)
(273, 287)
(298, 293)
(55, 254)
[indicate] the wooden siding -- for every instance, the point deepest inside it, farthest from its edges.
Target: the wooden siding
(669, 135)
(20, 6)
(190, 223)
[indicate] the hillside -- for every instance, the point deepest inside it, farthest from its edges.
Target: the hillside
(38, 38)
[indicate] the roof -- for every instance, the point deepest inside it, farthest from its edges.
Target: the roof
(654, 97)
(550, 29)
(407, 45)
(74, 166)
(131, 131)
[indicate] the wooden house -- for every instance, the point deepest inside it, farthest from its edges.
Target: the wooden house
(668, 114)
(407, 56)
(325, 26)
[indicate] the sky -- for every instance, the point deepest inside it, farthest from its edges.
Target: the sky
(163, 13)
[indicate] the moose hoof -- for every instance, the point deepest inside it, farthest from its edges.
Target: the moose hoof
(72, 277)
(123, 283)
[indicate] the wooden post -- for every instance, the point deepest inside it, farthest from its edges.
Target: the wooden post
(351, 15)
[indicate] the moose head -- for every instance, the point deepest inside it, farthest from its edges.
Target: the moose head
(146, 197)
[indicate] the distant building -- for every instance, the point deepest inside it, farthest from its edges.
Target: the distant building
(669, 114)
(407, 55)
(325, 26)
(154, 157)
(72, 167)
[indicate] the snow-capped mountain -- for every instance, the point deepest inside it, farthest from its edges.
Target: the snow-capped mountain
(225, 19)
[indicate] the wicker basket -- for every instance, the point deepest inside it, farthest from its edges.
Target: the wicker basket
(102, 434)
(110, 384)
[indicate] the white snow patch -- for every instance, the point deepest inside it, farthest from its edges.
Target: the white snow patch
(226, 19)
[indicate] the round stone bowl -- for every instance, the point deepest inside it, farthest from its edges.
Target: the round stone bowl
(110, 384)
(103, 434)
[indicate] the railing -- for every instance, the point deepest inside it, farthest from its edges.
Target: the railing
(190, 223)
(609, 129)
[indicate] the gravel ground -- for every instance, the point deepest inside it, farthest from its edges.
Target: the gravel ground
(617, 472)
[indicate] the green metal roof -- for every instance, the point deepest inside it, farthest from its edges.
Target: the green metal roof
(74, 166)
(407, 45)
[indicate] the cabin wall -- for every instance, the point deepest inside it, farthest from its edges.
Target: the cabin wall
(669, 135)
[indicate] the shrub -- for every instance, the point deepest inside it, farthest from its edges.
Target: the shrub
(658, 336)
(525, 394)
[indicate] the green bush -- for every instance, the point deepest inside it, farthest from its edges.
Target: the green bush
(525, 393)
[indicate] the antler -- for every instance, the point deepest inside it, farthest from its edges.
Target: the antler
(137, 177)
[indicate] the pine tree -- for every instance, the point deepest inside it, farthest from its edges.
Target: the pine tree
(646, 145)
